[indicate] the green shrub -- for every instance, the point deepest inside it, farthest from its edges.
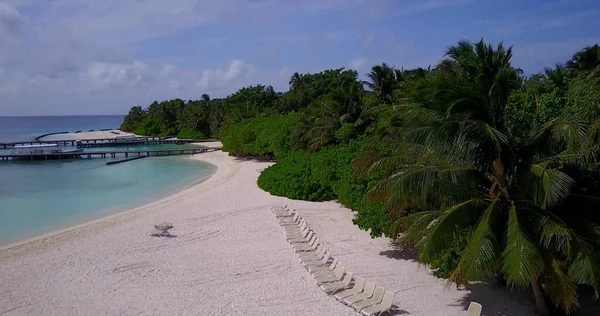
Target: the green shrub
(264, 136)
(346, 133)
(445, 261)
(190, 133)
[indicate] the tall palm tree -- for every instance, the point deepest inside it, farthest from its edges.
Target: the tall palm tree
(383, 81)
(458, 169)
(585, 60)
(558, 76)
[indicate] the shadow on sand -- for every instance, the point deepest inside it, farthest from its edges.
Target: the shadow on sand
(399, 253)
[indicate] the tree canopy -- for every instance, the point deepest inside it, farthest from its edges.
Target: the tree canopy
(484, 170)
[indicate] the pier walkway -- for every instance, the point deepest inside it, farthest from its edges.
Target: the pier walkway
(107, 154)
(106, 142)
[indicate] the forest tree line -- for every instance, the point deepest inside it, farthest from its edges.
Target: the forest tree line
(485, 170)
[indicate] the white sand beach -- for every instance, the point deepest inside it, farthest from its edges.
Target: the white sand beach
(229, 257)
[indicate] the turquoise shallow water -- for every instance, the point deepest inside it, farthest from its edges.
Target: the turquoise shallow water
(39, 197)
(42, 196)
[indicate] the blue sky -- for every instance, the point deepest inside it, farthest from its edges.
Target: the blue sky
(104, 56)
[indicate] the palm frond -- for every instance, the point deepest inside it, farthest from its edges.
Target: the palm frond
(548, 187)
(522, 261)
(552, 232)
(457, 216)
(561, 289)
(585, 266)
(481, 255)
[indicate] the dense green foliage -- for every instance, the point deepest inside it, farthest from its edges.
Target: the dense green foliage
(261, 136)
(484, 170)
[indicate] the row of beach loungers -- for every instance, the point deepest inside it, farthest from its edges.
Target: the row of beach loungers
(363, 296)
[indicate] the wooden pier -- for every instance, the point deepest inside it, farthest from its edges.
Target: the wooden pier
(107, 142)
(107, 154)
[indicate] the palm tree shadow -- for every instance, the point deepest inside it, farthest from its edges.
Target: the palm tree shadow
(399, 253)
(499, 300)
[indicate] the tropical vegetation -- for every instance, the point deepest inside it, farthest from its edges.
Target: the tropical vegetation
(486, 171)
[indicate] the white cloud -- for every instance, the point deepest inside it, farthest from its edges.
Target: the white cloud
(285, 73)
(102, 73)
(168, 69)
(219, 78)
(174, 85)
(358, 64)
(12, 24)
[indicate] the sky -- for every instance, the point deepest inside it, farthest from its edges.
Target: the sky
(60, 57)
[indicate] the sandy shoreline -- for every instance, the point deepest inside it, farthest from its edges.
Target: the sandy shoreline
(230, 257)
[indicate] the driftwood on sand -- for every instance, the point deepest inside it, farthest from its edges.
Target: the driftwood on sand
(161, 230)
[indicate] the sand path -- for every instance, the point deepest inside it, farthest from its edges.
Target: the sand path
(229, 257)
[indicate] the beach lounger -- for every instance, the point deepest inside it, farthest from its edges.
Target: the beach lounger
(359, 285)
(284, 213)
(335, 286)
(321, 262)
(323, 270)
(474, 309)
(313, 255)
(304, 241)
(296, 231)
(284, 207)
(375, 299)
(295, 227)
(295, 237)
(310, 247)
(338, 273)
(288, 220)
(365, 294)
(384, 306)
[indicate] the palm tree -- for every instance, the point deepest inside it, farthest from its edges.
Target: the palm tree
(383, 82)
(458, 169)
(585, 60)
(558, 76)
(324, 117)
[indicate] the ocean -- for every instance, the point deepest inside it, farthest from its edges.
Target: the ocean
(43, 196)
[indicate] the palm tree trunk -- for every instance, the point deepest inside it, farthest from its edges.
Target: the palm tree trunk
(540, 300)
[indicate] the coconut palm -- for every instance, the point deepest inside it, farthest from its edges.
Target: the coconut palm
(324, 117)
(585, 60)
(383, 80)
(458, 169)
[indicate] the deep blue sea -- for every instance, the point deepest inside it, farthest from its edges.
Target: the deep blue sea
(42, 196)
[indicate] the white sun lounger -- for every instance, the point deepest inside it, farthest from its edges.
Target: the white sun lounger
(295, 237)
(384, 306)
(323, 270)
(284, 212)
(293, 228)
(307, 248)
(335, 286)
(474, 309)
(309, 255)
(289, 221)
(322, 262)
(375, 299)
(291, 224)
(359, 285)
(365, 294)
(338, 273)
(303, 241)
(319, 255)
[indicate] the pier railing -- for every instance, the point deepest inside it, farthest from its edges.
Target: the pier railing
(104, 142)
(107, 154)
